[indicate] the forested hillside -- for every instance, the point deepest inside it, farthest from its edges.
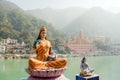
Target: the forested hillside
(16, 23)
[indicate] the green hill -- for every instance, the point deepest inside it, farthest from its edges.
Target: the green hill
(16, 23)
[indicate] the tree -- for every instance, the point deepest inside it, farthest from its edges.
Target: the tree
(100, 45)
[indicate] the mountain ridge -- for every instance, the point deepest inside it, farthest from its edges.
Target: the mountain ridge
(57, 17)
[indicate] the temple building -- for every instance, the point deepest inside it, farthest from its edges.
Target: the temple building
(80, 44)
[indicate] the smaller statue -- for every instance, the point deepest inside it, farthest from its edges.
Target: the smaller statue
(85, 70)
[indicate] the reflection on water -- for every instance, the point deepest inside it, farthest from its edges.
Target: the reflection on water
(107, 67)
(2, 66)
(12, 69)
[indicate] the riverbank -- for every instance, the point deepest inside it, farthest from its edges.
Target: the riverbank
(23, 56)
(100, 53)
(14, 56)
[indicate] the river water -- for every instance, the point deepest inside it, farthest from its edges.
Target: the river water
(107, 67)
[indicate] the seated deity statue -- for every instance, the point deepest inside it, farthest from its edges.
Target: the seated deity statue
(44, 55)
(85, 70)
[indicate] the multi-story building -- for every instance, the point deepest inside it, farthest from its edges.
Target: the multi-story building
(12, 45)
(80, 44)
(8, 41)
(2, 49)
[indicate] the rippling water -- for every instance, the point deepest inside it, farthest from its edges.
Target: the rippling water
(107, 67)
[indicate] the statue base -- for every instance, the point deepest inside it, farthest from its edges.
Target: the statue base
(48, 74)
(62, 77)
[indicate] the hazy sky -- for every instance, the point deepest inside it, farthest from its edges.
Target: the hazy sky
(111, 5)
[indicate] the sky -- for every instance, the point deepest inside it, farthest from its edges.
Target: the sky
(110, 5)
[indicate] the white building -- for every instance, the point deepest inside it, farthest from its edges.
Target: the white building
(2, 49)
(5, 42)
(8, 41)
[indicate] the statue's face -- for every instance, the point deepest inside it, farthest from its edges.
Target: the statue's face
(43, 34)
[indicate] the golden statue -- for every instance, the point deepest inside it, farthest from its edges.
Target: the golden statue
(43, 60)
